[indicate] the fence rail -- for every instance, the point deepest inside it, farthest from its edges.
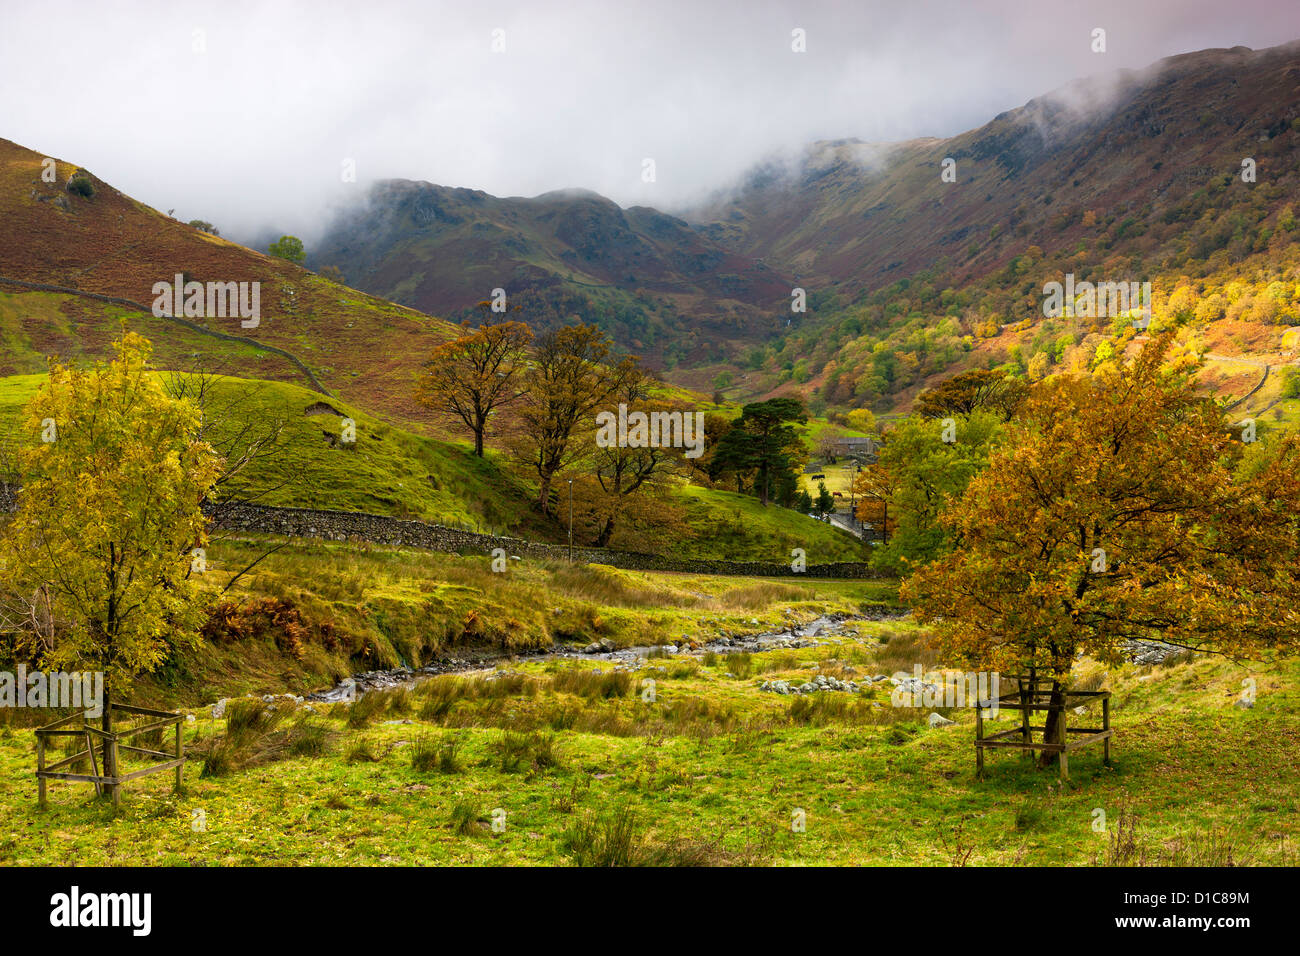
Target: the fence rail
(110, 747)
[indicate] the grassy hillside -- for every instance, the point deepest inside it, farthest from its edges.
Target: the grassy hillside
(738, 528)
(387, 470)
(391, 471)
(34, 325)
(364, 349)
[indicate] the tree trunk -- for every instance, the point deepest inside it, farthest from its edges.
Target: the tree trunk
(478, 441)
(607, 532)
(1054, 731)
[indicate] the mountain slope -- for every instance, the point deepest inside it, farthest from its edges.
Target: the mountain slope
(1134, 177)
(358, 346)
(858, 216)
(646, 277)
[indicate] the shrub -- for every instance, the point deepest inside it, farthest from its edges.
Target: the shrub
(593, 684)
(81, 186)
(249, 717)
(308, 738)
(741, 664)
(366, 708)
(365, 750)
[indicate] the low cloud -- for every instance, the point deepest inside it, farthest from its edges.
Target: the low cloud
(243, 113)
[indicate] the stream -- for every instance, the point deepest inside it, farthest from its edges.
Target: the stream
(826, 629)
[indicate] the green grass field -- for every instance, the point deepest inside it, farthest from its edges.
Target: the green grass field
(573, 766)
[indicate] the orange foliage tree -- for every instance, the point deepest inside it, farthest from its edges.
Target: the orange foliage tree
(1121, 506)
(476, 374)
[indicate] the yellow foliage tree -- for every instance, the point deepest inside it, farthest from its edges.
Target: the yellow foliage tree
(109, 517)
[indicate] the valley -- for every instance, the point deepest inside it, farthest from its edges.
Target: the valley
(565, 530)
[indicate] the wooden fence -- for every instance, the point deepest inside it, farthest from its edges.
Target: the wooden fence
(1034, 695)
(111, 750)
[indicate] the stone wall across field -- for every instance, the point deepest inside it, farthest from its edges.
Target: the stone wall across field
(355, 526)
(377, 529)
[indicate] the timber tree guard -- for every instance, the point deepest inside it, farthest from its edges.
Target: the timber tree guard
(110, 748)
(1034, 694)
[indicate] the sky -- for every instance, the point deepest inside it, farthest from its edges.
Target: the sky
(247, 114)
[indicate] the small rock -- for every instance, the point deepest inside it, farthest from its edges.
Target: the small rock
(938, 720)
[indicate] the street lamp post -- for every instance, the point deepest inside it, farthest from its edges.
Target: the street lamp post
(853, 490)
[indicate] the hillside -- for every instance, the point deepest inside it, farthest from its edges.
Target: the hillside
(360, 347)
(1127, 178)
(393, 472)
(1145, 144)
(656, 285)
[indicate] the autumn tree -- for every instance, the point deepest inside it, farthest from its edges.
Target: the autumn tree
(861, 419)
(924, 465)
(475, 375)
(987, 389)
(109, 518)
(628, 477)
(702, 468)
(568, 379)
(1120, 507)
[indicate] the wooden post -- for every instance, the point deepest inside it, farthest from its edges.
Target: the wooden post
(94, 767)
(180, 754)
(110, 761)
(110, 750)
(1025, 735)
(40, 765)
(979, 735)
(1105, 725)
(1060, 732)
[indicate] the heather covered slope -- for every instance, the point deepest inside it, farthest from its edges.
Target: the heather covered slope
(360, 347)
